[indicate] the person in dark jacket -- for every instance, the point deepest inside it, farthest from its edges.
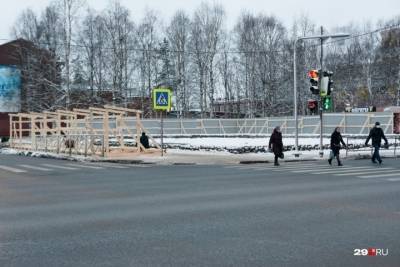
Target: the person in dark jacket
(144, 140)
(376, 134)
(276, 144)
(336, 139)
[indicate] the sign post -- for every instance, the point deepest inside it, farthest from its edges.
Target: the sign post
(162, 102)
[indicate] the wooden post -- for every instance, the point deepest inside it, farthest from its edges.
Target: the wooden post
(20, 128)
(120, 131)
(91, 131)
(10, 140)
(106, 125)
(138, 130)
(33, 134)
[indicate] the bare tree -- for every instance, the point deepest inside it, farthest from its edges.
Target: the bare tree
(178, 34)
(206, 33)
(120, 29)
(68, 10)
(307, 59)
(148, 37)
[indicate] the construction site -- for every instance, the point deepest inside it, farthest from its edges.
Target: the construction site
(96, 132)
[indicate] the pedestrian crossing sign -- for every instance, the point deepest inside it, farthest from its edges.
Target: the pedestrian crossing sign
(161, 99)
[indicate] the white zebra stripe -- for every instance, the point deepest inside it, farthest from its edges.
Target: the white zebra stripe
(35, 167)
(10, 169)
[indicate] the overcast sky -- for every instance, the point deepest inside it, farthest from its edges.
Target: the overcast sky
(328, 13)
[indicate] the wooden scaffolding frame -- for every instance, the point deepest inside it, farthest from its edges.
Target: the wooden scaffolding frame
(93, 131)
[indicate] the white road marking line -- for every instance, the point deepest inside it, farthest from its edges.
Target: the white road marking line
(342, 169)
(35, 167)
(380, 175)
(85, 166)
(393, 179)
(302, 170)
(59, 167)
(269, 165)
(243, 167)
(283, 166)
(277, 168)
(115, 166)
(364, 172)
(10, 169)
(296, 165)
(321, 169)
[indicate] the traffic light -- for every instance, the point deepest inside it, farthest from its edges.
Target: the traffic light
(314, 80)
(330, 88)
(327, 103)
(312, 106)
(323, 88)
(330, 81)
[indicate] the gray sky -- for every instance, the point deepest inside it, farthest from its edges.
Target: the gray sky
(328, 13)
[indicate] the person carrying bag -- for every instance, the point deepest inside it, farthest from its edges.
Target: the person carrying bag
(276, 144)
(336, 139)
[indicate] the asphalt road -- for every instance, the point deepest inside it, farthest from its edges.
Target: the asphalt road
(61, 213)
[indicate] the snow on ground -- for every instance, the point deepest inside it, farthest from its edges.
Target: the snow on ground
(248, 144)
(242, 145)
(235, 142)
(38, 154)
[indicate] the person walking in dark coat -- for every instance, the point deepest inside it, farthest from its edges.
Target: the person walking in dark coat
(376, 134)
(144, 140)
(336, 139)
(276, 144)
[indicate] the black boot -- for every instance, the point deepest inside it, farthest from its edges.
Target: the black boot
(339, 163)
(276, 161)
(330, 161)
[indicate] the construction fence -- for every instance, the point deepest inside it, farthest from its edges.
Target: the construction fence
(351, 124)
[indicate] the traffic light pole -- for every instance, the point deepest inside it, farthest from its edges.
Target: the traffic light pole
(321, 110)
(322, 38)
(296, 141)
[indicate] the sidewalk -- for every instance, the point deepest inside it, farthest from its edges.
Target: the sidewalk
(186, 157)
(182, 157)
(179, 157)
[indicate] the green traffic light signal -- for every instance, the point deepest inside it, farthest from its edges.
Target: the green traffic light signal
(327, 103)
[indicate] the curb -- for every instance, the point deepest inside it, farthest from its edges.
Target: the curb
(300, 160)
(120, 161)
(254, 161)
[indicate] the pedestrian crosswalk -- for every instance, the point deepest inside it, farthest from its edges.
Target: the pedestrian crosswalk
(387, 173)
(53, 167)
(60, 167)
(11, 169)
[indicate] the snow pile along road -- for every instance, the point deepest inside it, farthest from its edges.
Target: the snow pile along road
(238, 145)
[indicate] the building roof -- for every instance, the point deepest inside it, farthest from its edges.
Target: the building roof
(10, 53)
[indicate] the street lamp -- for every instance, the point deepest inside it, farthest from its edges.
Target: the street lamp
(322, 38)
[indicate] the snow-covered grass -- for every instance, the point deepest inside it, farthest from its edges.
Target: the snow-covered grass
(236, 142)
(239, 145)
